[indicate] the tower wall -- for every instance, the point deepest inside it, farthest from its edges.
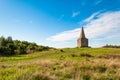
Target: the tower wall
(82, 42)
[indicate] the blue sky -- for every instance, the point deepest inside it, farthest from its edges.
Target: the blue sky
(57, 23)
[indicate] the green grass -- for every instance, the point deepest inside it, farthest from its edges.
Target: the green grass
(63, 64)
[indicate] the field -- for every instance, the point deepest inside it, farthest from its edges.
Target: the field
(63, 64)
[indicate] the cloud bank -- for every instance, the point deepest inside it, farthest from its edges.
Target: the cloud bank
(99, 25)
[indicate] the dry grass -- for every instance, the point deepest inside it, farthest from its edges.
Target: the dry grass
(85, 68)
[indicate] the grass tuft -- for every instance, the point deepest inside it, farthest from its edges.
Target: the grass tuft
(69, 64)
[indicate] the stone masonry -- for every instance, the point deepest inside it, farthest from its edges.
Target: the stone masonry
(82, 40)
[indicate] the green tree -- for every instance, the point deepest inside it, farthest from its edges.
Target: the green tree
(2, 41)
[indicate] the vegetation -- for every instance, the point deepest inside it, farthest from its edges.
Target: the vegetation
(111, 46)
(10, 47)
(63, 64)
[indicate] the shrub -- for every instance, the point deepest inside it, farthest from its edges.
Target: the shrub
(111, 46)
(67, 75)
(61, 50)
(10, 47)
(85, 55)
(86, 77)
(73, 55)
(40, 77)
(102, 69)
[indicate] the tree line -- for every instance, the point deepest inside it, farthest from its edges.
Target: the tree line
(10, 47)
(111, 46)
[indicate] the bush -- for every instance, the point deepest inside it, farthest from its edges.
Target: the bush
(67, 75)
(111, 46)
(10, 47)
(61, 50)
(85, 55)
(85, 77)
(74, 55)
(102, 69)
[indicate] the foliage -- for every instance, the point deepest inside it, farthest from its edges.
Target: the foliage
(85, 55)
(10, 47)
(111, 46)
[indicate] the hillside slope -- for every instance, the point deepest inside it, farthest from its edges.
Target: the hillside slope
(63, 64)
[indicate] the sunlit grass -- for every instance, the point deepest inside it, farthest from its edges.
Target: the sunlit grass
(63, 64)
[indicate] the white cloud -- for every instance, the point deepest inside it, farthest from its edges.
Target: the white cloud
(74, 14)
(65, 36)
(92, 17)
(98, 2)
(104, 25)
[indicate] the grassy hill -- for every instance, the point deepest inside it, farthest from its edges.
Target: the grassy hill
(63, 64)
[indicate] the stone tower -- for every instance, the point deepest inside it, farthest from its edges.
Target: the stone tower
(82, 40)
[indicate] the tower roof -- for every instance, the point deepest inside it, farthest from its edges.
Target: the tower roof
(82, 35)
